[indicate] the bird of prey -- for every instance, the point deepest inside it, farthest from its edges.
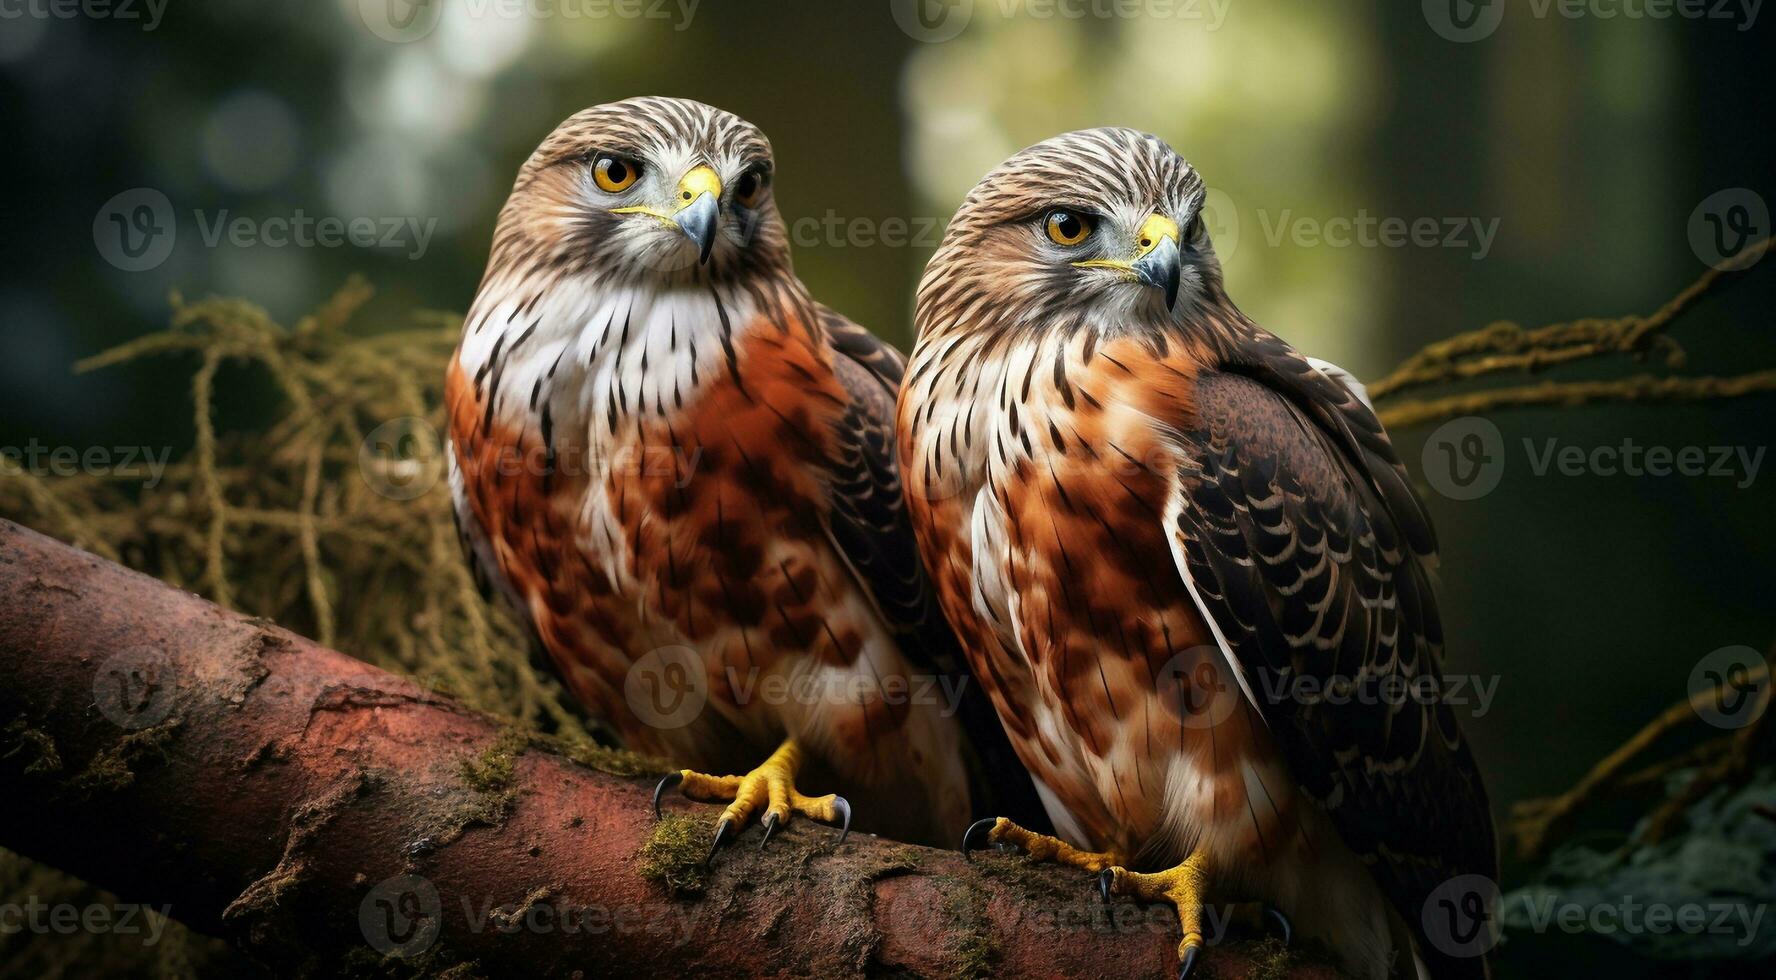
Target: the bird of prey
(1187, 564)
(678, 467)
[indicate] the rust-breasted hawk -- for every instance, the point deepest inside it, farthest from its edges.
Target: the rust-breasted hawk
(672, 460)
(1168, 541)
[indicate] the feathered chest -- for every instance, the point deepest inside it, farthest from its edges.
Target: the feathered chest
(616, 452)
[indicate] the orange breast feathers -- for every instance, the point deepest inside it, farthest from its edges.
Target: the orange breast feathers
(1053, 556)
(699, 525)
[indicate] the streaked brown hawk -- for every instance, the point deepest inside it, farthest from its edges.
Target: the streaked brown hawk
(1187, 564)
(661, 445)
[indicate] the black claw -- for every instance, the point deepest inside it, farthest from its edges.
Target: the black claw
(843, 808)
(672, 779)
(1282, 921)
(975, 836)
(1188, 962)
(770, 828)
(1106, 880)
(722, 839)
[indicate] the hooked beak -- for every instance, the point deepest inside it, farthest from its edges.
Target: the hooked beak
(1160, 267)
(1158, 261)
(699, 209)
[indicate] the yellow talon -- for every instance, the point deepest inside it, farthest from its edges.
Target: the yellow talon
(1182, 886)
(771, 787)
(998, 830)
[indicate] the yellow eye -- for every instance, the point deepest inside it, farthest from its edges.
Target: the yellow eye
(614, 174)
(1067, 228)
(749, 190)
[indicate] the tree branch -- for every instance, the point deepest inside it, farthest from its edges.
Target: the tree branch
(327, 815)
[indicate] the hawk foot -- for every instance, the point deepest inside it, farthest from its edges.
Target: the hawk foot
(998, 830)
(1182, 886)
(770, 788)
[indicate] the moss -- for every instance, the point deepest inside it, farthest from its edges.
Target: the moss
(113, 769)
(674, 854)
(1271, 959)
(491, 770)
(616, 762)
(973, 948)
(35, 741)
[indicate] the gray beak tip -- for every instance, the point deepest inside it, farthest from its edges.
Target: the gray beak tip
(1162, 267)
(698, 221)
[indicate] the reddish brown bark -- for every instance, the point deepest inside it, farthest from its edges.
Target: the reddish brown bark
(270, 789)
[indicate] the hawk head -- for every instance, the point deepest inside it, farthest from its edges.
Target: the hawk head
(647, 188)
(1099, 228)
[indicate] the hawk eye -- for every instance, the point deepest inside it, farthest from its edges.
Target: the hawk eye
(1067, 227)
(749, 190)
(615, 174)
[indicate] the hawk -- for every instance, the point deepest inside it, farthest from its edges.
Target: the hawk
(1186, 563)
(677, 465)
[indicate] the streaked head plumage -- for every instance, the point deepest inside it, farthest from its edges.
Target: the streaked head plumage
(646, 187)
(1100, 227)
